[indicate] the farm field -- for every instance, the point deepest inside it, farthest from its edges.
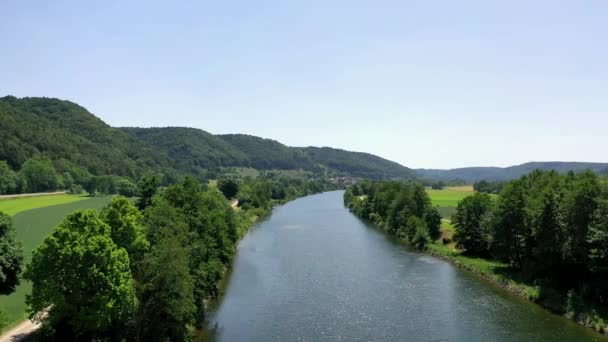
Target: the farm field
(447, 199)
(32, 226)
(17, 205)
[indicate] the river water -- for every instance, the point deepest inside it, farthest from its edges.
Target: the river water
(313, 271)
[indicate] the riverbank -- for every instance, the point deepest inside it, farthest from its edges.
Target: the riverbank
(500, 274)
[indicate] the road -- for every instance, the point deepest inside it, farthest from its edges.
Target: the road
(32, 195)
(20, 332)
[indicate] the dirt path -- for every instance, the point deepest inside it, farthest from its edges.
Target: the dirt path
(32, 195)
(20, 332)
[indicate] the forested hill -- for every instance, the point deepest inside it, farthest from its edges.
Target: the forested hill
(78, 142)
(359, 164)
(473, 174)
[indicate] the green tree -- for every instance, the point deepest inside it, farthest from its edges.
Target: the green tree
(421, 238)
(510, 231)
(9, 182)
(147, 185)
(81, 277)
(125, 187)
(576, 212)
(433, 222)
(598, 239)
(11, 256)
(127, 230)
(40, 175)
(228, 186)
(165, 297)
(469, 230)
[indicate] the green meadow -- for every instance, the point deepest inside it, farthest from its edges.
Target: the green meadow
(447, 199)
(16, 205)
(32, 226)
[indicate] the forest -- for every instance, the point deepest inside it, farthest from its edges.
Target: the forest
(142, 270)
(550, 229)
(402, 209)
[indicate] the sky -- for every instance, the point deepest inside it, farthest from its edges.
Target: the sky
(428, 84)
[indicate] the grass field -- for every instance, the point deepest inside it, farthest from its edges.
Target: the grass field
(17, 205)
(32, 226)
(449, 197)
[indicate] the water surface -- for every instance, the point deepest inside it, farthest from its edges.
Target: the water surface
(315, 272)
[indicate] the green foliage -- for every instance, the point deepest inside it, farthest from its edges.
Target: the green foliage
(39, 175)
(166, 291)
(433, 222)
(470, 233)
(358, 164)
(126, 223)
(402, 209)
(11, 256)
(125, 187)
(10, 183)
(81, 277)
(490, 187)
(147, 186)
(228, 186)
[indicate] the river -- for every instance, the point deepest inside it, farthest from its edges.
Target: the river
(313, 271)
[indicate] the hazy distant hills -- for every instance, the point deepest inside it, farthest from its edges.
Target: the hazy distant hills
(472, 174)
(73, 139)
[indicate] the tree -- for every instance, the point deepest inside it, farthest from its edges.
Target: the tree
(421, 238)
(81, 277)
(165, 296)
(469, 233)
(125, 187)
(11, 256)
(228, 186)
(576, 212)
(598, 239)
(433, 222)
(40, 175)
(147, 185)
(9, 182)
(126, 223)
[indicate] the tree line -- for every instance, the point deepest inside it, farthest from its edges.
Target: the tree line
(403, 209)
(141, 270)
(551, 228)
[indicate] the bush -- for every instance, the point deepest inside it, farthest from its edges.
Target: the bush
(76, 189)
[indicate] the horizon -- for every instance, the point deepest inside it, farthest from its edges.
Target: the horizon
(426, 86)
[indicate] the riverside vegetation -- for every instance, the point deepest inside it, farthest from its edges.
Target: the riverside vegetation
(142, 271)
(545, 236)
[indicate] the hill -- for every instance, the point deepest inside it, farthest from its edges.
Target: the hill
(357, 163)
(473, 174)
(77, 141)
(71, 137)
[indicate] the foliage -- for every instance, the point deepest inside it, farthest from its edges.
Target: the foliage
(126, 224)
(39, 175)
(490, 187)
(11, 256)
(470, 234)
(358, 164)
(166, 291)
(401, 208)
(228, 186)
(10, 182)
(147, 186)
(81, 277)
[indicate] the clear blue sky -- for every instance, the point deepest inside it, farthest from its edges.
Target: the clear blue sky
(434, 84)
